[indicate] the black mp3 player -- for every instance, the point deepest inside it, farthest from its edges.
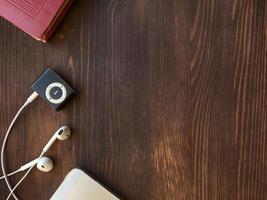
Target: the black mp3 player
(53, 89)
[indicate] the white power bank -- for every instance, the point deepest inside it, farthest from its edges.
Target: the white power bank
(77, 185)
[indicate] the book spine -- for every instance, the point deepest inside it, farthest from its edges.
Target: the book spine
(52, 28)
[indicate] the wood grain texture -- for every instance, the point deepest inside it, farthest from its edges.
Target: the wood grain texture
(171, 105)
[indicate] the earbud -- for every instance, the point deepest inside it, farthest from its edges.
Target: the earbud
(62, 133)
(44, 164)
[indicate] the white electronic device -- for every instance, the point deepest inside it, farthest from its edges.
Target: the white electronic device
(77, 185)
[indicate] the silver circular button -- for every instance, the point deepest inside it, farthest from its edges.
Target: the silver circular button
(56, 93)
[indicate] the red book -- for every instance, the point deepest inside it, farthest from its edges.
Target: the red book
(37, 18)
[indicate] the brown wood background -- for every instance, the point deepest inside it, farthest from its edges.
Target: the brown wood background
(172, 98)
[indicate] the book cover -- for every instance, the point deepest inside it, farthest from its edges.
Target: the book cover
(37, 18)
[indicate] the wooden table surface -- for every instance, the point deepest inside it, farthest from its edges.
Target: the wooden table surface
(172, 99)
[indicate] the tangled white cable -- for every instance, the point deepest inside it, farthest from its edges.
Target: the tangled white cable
(29, 100)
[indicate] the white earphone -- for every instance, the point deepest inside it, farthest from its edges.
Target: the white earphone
(62, 133)
(45, 164)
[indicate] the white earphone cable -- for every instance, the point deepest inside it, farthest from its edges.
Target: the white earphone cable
(3, 148)
(10, 174)
(24, 176)
(29, 100)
